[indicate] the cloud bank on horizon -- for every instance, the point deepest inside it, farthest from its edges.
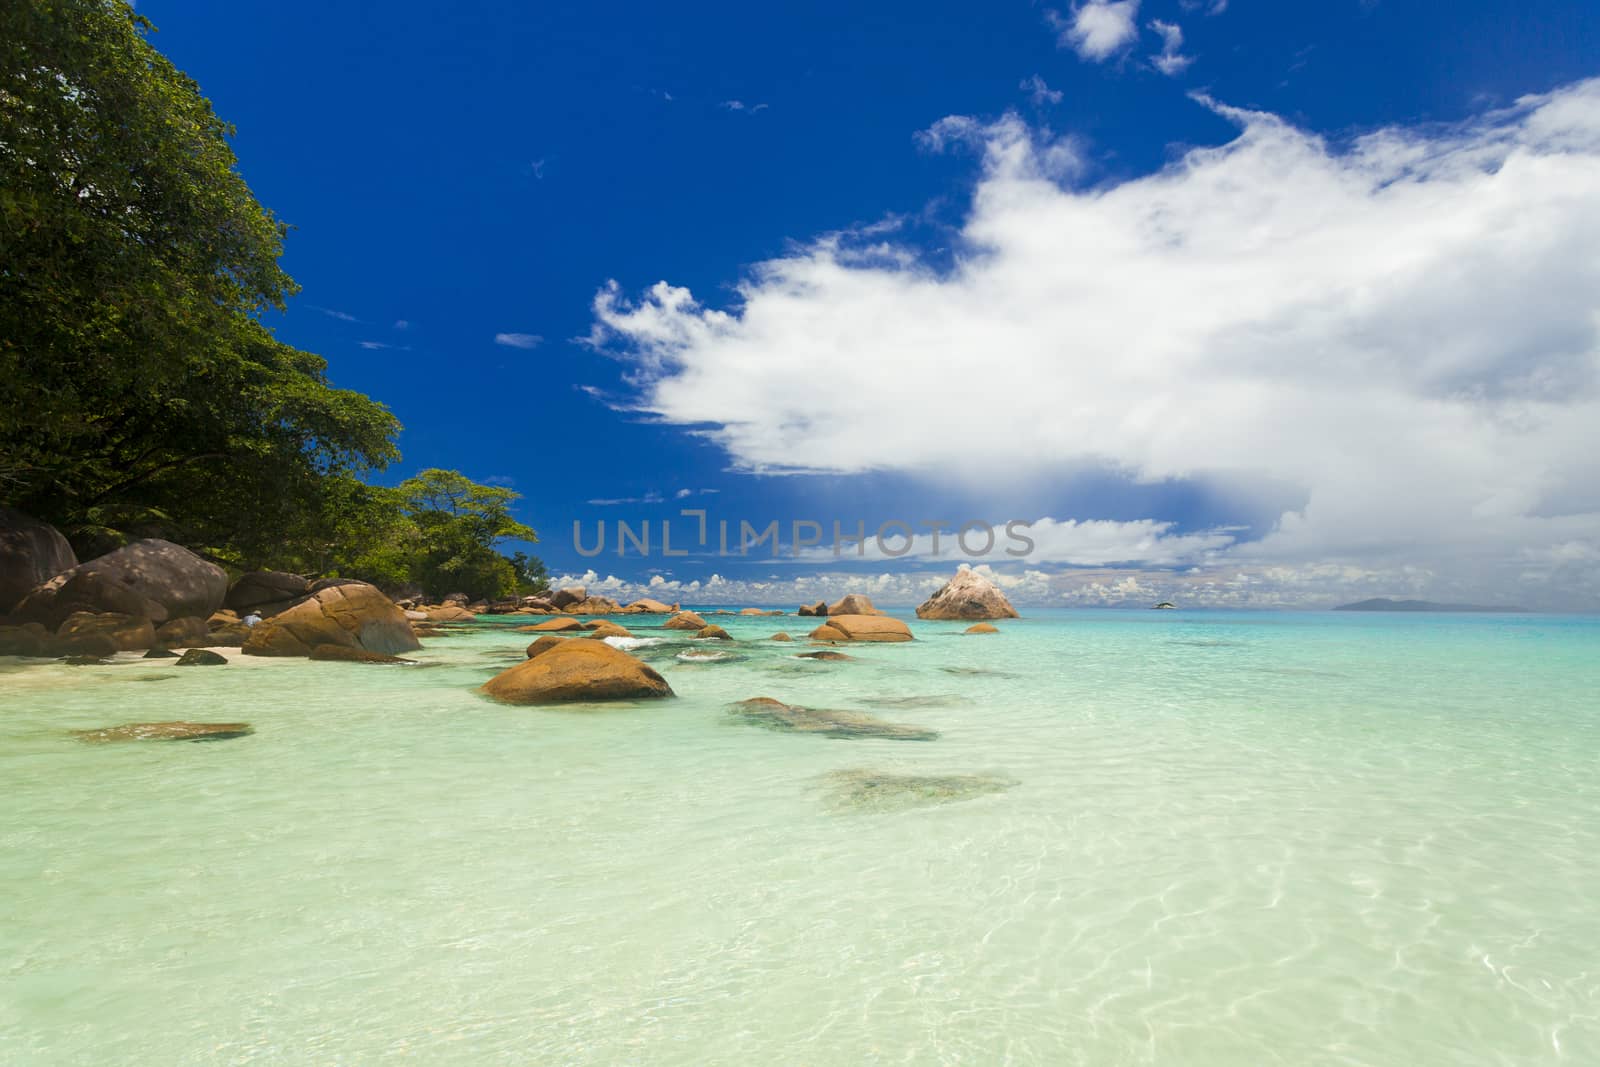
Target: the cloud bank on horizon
(1406, 327)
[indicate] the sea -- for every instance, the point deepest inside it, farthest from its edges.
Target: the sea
(1120, 837)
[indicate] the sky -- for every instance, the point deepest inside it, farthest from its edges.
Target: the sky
(1231, 303)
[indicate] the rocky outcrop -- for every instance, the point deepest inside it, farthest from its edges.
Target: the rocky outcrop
(352, 615)
(167, 731)
(201, 657)
(968, 596)
(852, 604)
(820, 608)
(862, 628)
(31, 553)
(714, 633)
(129, 633)
(980, 628)
(265, 592)
(646, 606)
(685, 620)
(780, 636)
(571, 594)
(449, 613)
(594, 605)
(155, 580)
(577, 671)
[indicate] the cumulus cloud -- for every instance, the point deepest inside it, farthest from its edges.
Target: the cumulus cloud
(518, 340)
(1098, 29)
(1170, 60)
(1403, 326)
(740, 105)
(1094, 542)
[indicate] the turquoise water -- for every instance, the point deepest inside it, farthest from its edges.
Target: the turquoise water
(1232, 839)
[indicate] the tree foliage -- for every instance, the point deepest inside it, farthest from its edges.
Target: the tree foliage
(140, 392)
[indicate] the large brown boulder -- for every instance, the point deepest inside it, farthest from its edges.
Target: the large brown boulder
(31, 553)
(265, 592)
(820, 608)
(130, 633)
(155, 580)
(450, 613)
(852, 604)
(713, 633)
(577, 671)
(604, 628)
(646, 606)
(862, 628)
(353, 614)
(968, 596)
(552, 626)
(685, 620)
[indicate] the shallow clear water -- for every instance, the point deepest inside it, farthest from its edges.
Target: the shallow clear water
(1232, 839)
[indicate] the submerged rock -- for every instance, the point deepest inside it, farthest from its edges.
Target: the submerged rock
(201, 657)
(578, 671)
(167, 731)
(969, 595)
(780, 637)
(87, 659)
(825, 654)
(869, 790)
(790, 718)
(981, 628)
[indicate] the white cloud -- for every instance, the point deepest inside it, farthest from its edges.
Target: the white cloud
(1092, 542)
(1039, 92)
(1098, 29)
(1170, 61)
(651, 497)
(1215, 7)
(518, 340)
(1404, 327)
(401, 324)
(740, 105)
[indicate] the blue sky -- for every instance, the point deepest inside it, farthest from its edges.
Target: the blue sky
(465, 179)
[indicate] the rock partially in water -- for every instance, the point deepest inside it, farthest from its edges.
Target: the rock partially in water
(545, 644)
(780, 636)
(128, 632)
(981, 628)
(825, 654)
(861, 628)
(578, 671)
(201, 657)
(818, 609)
(866, 790)
(791, 718)
(565, 624)
(29, 639)
(968, 595)
(852, 604)
(713, 633)
(685, 620)
(167, 731)
(87, 659)
(939, 700)
(352, 614)
(600, 629)
(149, 579)
(161, 653)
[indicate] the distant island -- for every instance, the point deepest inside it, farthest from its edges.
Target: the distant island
(1385, 604)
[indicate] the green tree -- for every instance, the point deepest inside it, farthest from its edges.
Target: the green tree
(458, 524)
(140, 392)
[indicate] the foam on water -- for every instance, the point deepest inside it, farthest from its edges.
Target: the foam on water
(1152, 837)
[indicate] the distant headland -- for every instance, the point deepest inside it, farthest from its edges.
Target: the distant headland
(1386, 604)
